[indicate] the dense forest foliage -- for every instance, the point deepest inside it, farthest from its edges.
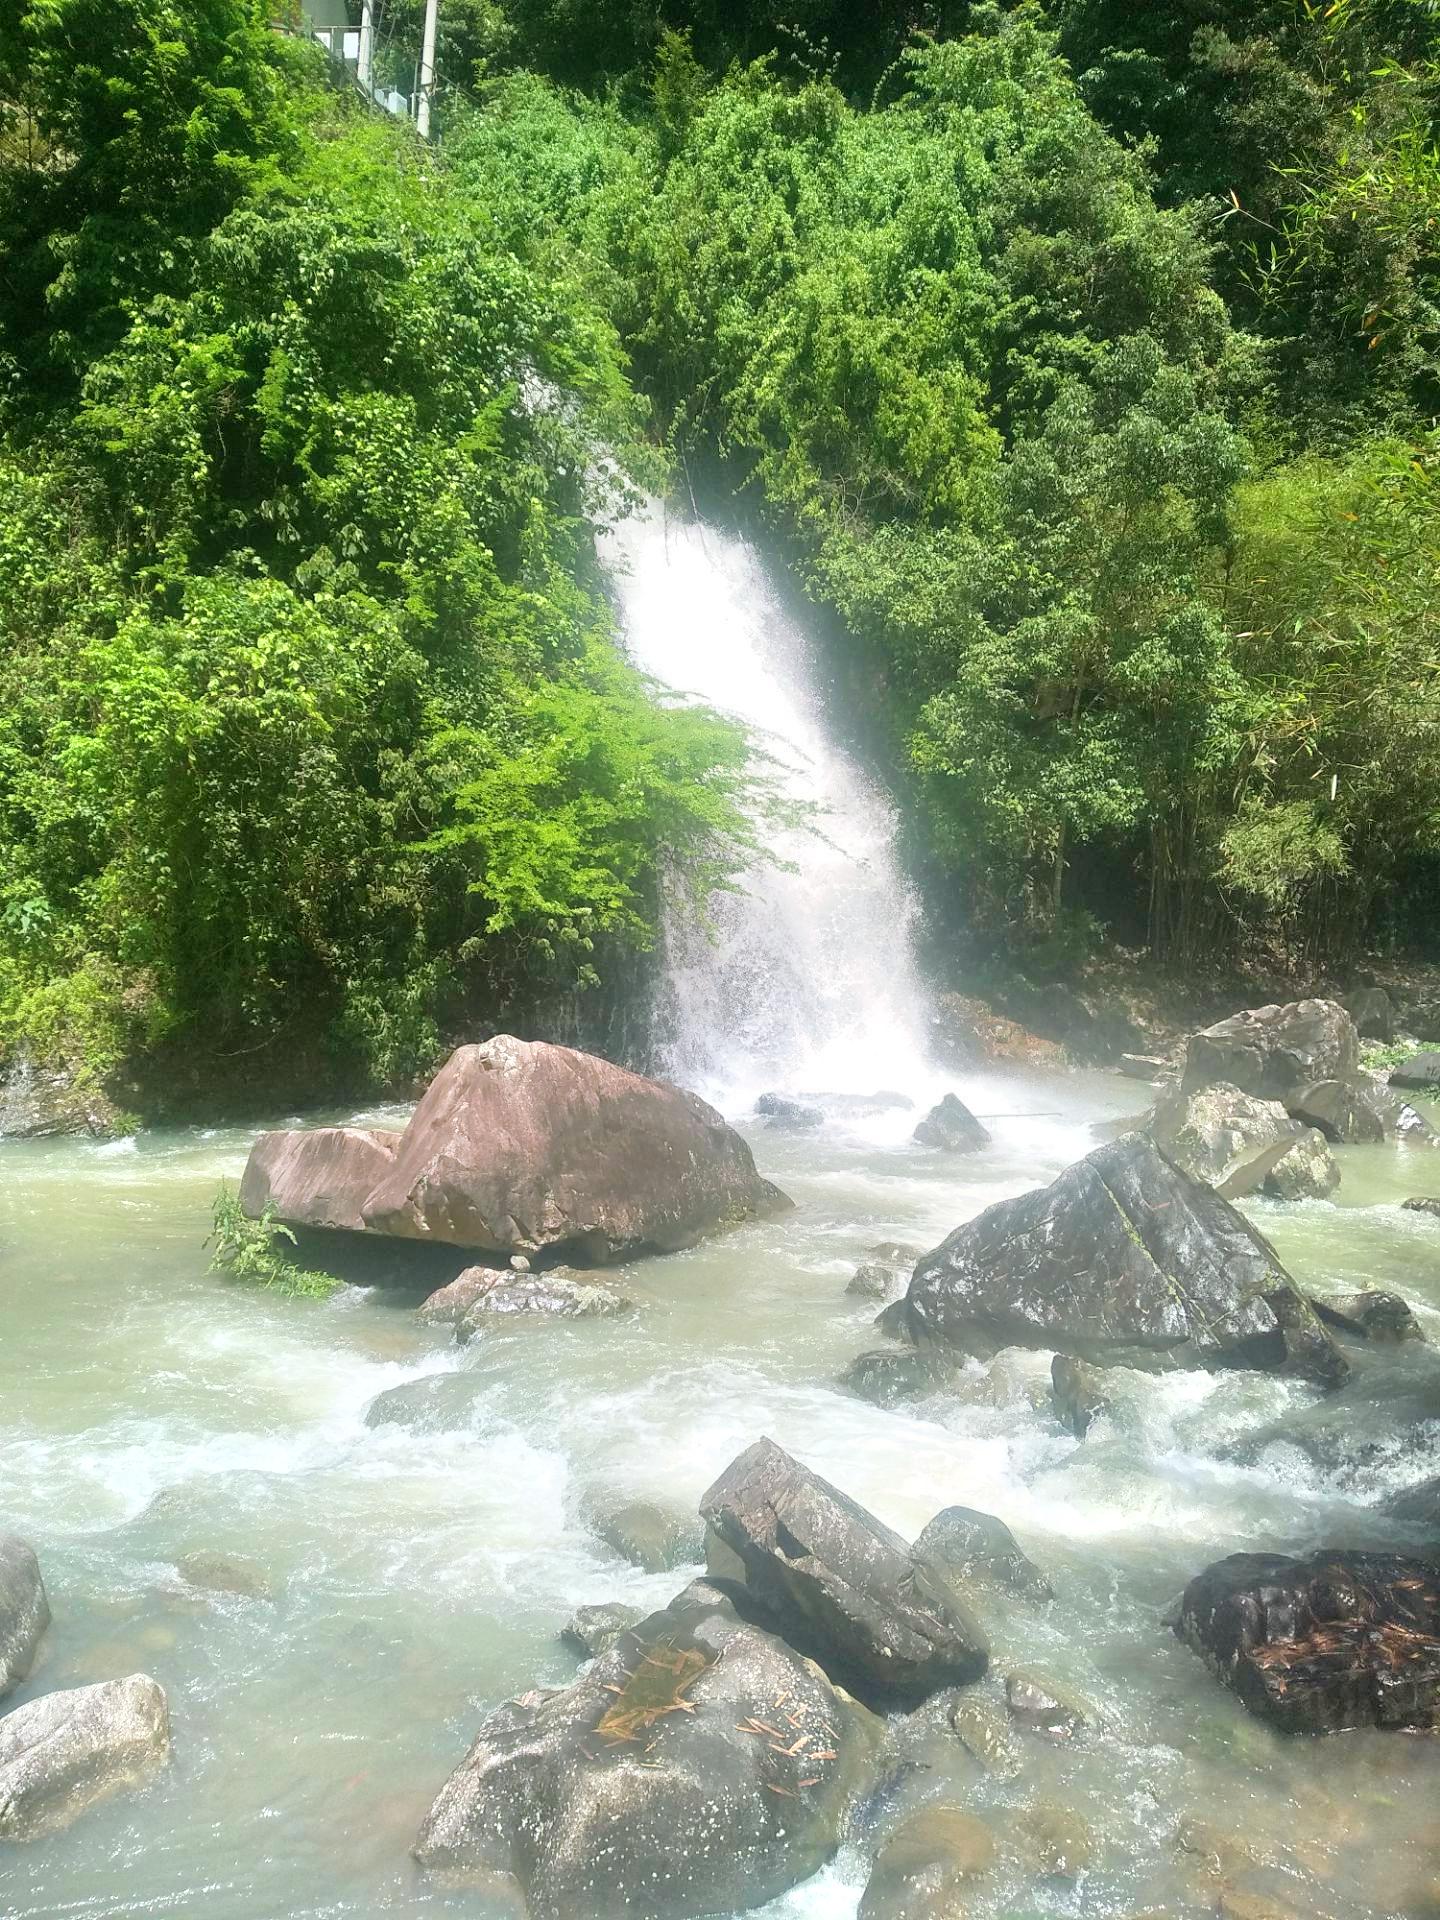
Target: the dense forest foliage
(1081, 361)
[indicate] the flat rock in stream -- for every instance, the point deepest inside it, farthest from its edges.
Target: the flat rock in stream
(1333, 1641)
(653, 1784)
(1124, 1259)
(544, 1296)
(839, 1585)
(520, 1146)
(67, 1751)
(24, 1611)
(787, 1115)
(440, 1403)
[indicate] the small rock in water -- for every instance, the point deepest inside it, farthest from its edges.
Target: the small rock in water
(1370, 1314)
(554, 1295)
(648, 1536)
(778, 1110)
(24, 1611)
(926, 1866)
(1078, 1393)
(440, 1403)
(225, 1573)
(1422, 1203)
(591, 1631)
(1038, 1705)
(451, 1303)
(875, 1282)
(894, 1253)
(967, 1545)
(67, 1751)
(952, 1127)
(518, 1263)
(987, 1737)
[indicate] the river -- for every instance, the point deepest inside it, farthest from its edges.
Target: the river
(419, 1575)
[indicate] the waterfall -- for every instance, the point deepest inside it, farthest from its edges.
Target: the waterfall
(807, 980)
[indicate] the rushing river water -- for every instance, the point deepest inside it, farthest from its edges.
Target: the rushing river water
(420, 1573)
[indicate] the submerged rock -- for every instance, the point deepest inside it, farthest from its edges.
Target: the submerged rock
(66, 1751)
(440, 1403)
(649, 1537)
(519, 1146)
(1333, 1641)
(988, 1737)
(841, 1587)
(1078, 1393)
(1239, 1144)
(653, 1783)
(1056, 1839)
(591, 1631)
(553, 1296)
(1040, 1706)
(24, 1611)
(787, 1115)
(884, 1272)
(926, 1868)
(1370, 1314)
(952, 1127)
(1123, 1259)
(891, 1376)
(976, 1548)
(234, 1573)
(1271, 1051)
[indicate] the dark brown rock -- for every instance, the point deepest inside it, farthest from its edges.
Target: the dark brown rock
(1123, 1260)
(1270, 1051)
(1372, 1011)
(891, 1376)
(1336, 1640)
(640, 1787)
(841, 1587)
(1423, 1204)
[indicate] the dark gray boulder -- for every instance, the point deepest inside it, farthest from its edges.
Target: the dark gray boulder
(978, 1549)
(952, 1127)
(1373, 1012)
(1270, 1051)
(778, 1110)
(1423, 1204)
(67, 1751)
(1421, 1071)
(24, 1611)
(839, 1585)
(1126, 1260)
(891, 1376)
(1370, 1314)
(591, 1631)
(1333, 1641)
(664, 1782)
(1352, 1112)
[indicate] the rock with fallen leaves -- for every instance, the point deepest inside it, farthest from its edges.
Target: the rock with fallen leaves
(700, 1766)
(1333, 1641)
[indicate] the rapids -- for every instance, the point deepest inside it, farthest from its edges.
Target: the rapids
(149, 1408)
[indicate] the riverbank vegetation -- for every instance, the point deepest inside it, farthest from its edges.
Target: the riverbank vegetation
(1081, 362)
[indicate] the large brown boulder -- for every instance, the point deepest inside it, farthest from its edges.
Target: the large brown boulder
(700, 1766)
(1337, 1640)
(517, 1147)
(1269, 1051)
(840, 1586)
(1124, 1259)
(316, 1176)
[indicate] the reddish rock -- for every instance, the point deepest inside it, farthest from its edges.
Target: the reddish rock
(318, 1176)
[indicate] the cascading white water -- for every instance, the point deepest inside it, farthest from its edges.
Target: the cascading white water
(807, 980)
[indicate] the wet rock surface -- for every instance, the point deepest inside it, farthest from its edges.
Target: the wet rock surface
(661, 1781)
(1078, 1393)
(893, 1376)
(842, 1587)
(928, 1865)
(440, 1403)
(67, 1751)
(24, 1611)
(519, 1146)
(971, 1547)
(556, 1295)
(1422, 1204)
(591, 1631)
(650, 1537)
(1122, 1259)
(1271, 1051)
(1358, 1111)
(234, 1573)
(952, 1128)
(1040, 1705)
(1370, 1314)
(1238, 1144)
(1336, 1640)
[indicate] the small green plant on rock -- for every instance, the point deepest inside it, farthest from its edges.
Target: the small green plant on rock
(252, 1250)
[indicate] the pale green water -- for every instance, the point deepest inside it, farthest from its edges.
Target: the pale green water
(149, 1408)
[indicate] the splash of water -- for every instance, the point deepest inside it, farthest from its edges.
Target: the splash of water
(808, 979)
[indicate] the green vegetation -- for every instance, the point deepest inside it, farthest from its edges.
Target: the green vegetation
(253, 1251)
(1082, 361)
